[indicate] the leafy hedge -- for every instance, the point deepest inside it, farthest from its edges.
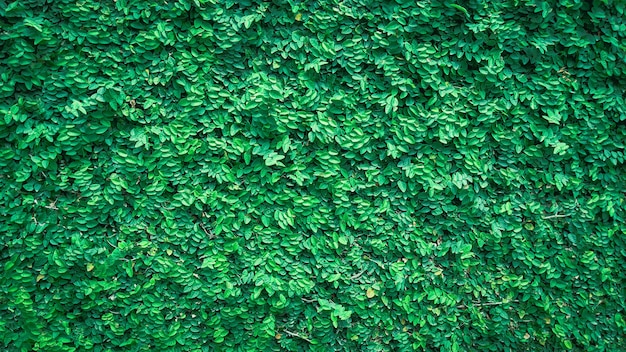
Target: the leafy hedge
(357, 175)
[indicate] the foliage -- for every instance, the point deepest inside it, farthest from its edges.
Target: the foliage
(357, 175)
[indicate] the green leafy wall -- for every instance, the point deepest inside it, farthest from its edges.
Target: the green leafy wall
(357, 175)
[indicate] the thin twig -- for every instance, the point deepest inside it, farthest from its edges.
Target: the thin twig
(556, 216)
(211, 236)
(308, 300)
(358, 275)
(495, 303)
(52, 205)
(478, 304)
(377, 263)
(297, 335)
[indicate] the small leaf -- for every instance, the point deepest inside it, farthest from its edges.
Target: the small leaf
(129, 270)
(568, 344)
(370, 293)
(90, 266)
(460, 8)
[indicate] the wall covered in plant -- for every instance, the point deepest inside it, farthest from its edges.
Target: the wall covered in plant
(356, 175)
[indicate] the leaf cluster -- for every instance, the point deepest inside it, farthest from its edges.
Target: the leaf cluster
(358, 175)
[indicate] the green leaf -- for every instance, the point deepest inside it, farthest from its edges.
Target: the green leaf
(460, 8)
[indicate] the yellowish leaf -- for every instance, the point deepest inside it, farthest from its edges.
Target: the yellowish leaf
(169, 251)
(370, 293)
(90, 267)
(299, 17)
(39, 277)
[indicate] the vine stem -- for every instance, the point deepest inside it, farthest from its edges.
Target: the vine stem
(556, 216)
(478, 304)
(297, 335)
(356, 276)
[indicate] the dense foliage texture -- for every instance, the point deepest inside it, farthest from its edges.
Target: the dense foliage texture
(358, 175)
